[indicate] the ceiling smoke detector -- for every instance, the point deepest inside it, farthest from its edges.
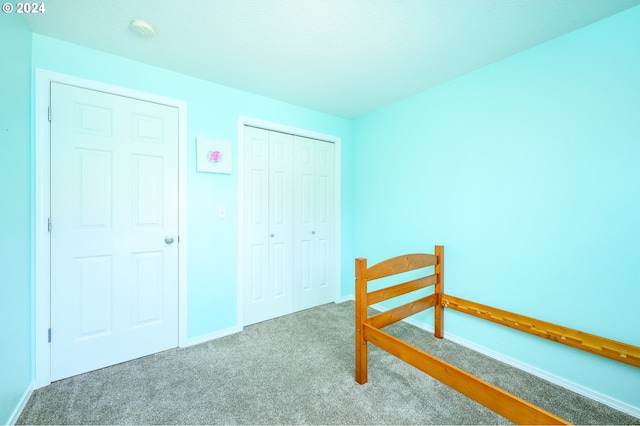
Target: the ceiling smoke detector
(142, 28)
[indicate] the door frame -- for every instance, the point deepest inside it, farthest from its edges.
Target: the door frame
(42, 209)
(277, 127)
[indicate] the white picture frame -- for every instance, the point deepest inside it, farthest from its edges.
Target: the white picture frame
(213, 156)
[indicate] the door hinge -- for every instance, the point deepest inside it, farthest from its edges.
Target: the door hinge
(49, 113)
(49, 334)
(49, 225)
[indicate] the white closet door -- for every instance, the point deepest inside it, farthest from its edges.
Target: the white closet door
(280, 223)
(325, 223)
(268, 224)
(313, 222)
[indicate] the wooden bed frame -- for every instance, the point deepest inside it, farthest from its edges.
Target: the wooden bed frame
(368, 329)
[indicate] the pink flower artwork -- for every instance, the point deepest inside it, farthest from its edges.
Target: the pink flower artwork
(214, 156)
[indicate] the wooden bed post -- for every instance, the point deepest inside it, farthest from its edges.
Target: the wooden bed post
(361, 316)
(439, 291)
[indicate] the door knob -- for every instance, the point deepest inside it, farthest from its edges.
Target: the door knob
(273, 235)
(168, 240)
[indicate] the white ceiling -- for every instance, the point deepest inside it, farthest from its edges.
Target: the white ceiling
(342, 57)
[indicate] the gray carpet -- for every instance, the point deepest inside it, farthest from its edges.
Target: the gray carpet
(296, 369)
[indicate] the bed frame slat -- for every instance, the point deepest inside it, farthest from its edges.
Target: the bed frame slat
(400, 289)
(399, 313)
(399, 264)
(602, 346)
(508, 405)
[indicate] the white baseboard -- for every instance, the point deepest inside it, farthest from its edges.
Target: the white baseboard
(574, 387)
(344, 299)
(23, 402)
(212, 336)
(235, 329)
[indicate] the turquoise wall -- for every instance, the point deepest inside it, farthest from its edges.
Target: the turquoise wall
(15, 205)
(528, 172)
(212, 111)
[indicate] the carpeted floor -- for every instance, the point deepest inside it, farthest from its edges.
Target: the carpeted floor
(296, 369)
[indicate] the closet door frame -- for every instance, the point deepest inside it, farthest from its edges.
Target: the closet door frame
(276, 127)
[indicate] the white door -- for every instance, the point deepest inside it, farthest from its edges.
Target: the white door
(288, 256)
(268, 221)
(114, 213)
(313, 222)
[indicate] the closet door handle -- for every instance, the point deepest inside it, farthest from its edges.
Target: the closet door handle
(313, 232)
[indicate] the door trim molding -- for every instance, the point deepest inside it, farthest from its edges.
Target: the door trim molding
(277, 127)
(42, 209)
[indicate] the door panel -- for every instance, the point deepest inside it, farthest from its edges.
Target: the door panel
(256, 223)
(92, 292)
(147, 295)
(114, 198)
(305, 218)
(325, 213)
(267, 225)
(280, 223)
(313, 254)
(148, 190)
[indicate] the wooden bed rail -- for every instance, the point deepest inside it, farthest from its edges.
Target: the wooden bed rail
(608, 348)
(368, 329)
(504, 403)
